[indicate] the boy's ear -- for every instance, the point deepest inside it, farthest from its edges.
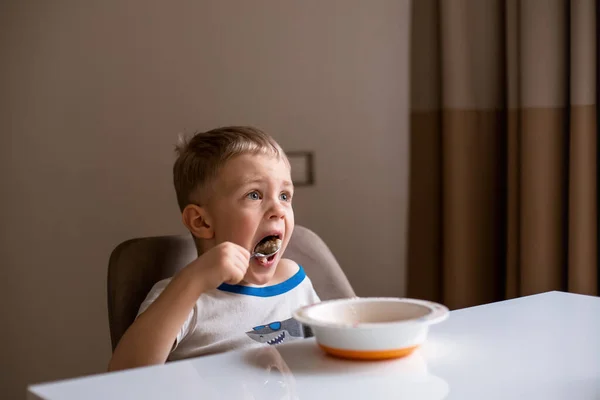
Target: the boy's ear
(197, 220)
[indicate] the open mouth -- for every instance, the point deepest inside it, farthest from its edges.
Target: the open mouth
(277, 339)
(269, 245)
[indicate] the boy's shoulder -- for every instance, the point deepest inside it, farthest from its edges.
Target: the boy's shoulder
(286, 269)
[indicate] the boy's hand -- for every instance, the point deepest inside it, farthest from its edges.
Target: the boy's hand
(149, 340)
(226, 262)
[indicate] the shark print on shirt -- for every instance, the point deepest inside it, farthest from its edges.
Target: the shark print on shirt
(277, 332)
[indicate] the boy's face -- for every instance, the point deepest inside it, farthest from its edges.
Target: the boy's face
(251, 199)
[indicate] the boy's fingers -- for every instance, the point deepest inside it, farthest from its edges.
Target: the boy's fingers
(244, 252)
(243, 260)
(236, 248)
(238, 258)
(240, 261)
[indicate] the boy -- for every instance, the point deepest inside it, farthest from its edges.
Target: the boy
(234, 190)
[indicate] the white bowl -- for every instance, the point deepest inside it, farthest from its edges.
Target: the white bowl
(371, 328)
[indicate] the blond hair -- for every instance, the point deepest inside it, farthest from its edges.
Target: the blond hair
(200, 158)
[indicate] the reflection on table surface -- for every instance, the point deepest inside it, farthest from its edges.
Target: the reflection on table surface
(300, 370)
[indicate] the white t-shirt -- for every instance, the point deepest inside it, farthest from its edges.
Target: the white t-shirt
(235, 317)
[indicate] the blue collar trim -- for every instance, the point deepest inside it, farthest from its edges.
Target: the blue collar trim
(267, 291)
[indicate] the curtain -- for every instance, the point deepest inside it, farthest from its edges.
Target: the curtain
(504, 149)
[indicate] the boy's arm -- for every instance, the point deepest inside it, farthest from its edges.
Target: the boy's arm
(150, 338)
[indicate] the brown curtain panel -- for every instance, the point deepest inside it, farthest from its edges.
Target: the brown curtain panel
(504, 149)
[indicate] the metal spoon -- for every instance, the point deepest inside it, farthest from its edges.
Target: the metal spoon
(257, 254)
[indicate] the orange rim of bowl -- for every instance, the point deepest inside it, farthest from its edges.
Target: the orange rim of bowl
(369, 354)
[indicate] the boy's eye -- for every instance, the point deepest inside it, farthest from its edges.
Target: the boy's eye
(253, 195)
(285, 196)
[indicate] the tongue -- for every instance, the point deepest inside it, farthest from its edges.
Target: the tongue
(261, 260)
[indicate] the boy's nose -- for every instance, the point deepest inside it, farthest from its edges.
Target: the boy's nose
(276, 211)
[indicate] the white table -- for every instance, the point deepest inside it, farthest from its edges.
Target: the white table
(545, 346)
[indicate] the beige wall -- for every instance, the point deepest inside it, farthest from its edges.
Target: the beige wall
(92, 96)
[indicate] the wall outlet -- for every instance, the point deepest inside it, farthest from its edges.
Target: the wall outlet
(302, 164)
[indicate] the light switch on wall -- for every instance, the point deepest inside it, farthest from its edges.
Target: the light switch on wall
(302, 166)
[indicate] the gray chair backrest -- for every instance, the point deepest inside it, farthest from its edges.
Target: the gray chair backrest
(137, 264)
